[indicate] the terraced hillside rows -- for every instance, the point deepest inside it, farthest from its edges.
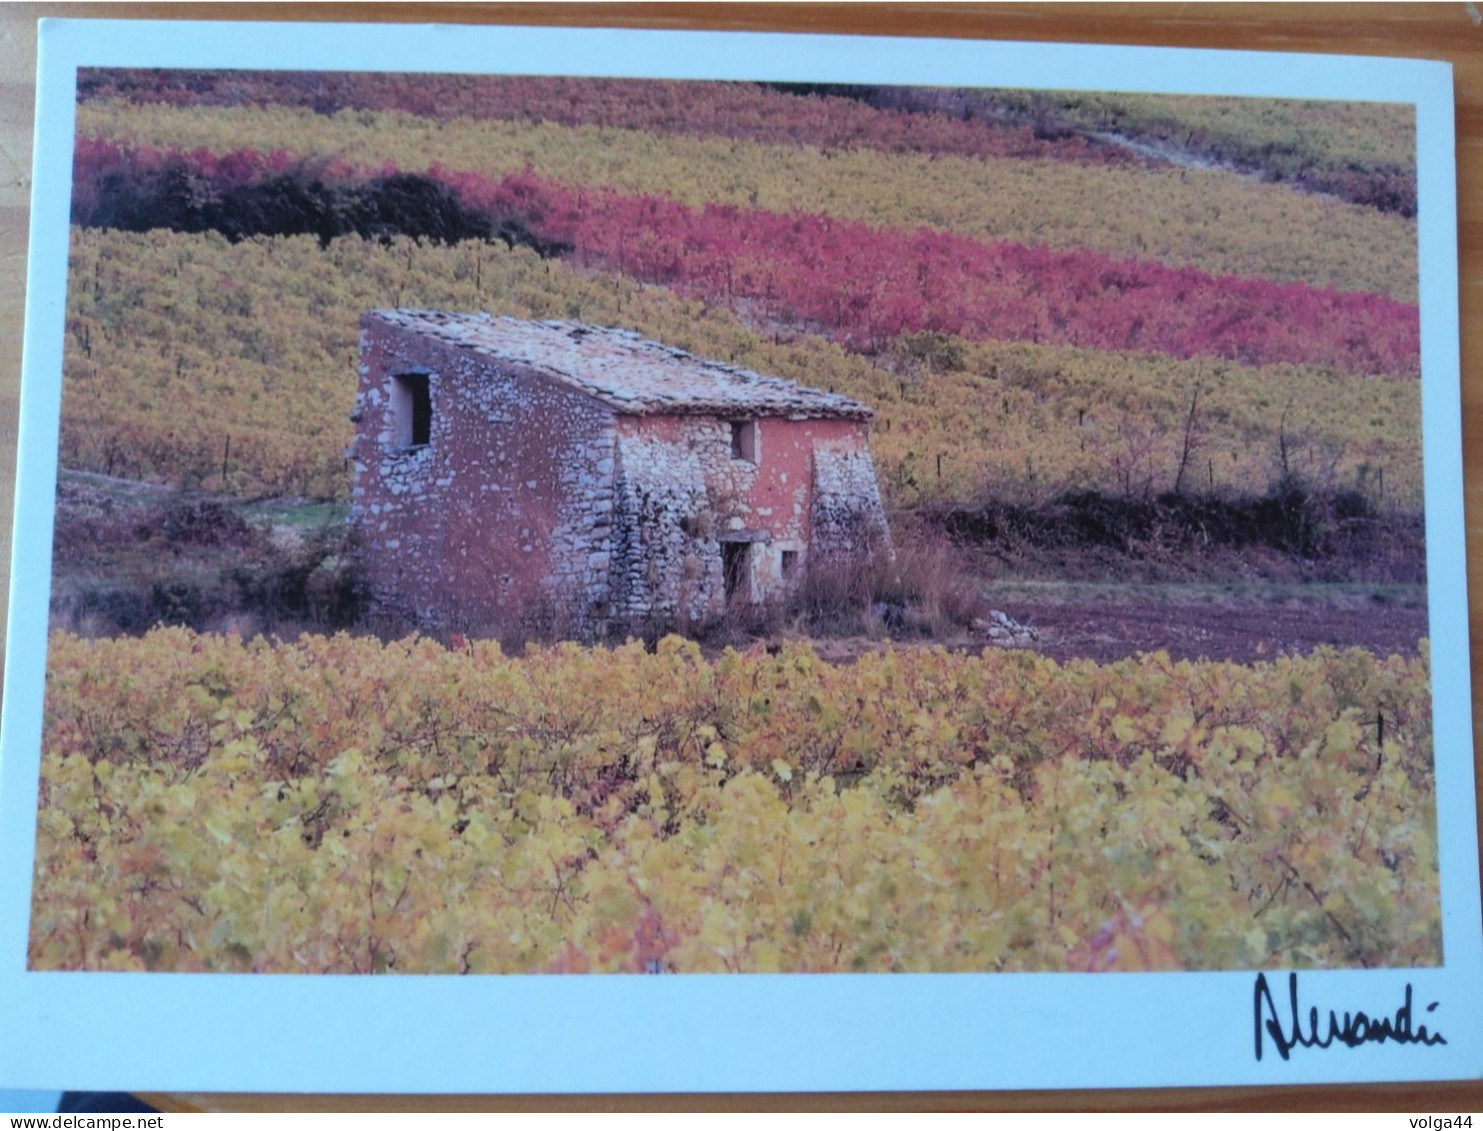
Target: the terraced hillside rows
(1362, 152)
(261, 335)
(1216, 221)
(1087, 358)
(817, 247)
(829, 120)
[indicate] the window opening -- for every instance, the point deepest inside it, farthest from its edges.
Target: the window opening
(789, 564)
(744, 440)
(412, 410)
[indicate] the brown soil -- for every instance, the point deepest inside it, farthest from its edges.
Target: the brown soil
(1240, 629)
(1243, 631)
(132, 543)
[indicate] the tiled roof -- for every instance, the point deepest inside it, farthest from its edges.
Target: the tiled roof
(630, 373)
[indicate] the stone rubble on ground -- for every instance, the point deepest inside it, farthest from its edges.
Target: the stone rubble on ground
(1001, 628)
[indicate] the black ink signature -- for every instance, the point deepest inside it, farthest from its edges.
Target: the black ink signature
(1356, 1028)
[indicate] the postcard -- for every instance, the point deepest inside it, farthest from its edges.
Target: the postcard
(633, 561)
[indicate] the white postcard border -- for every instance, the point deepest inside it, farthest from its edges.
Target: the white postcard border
(166, 1032)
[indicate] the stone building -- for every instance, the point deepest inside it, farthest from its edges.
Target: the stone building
(506, 470)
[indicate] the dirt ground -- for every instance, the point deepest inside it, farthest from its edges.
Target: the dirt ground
(1250, 616)
(1244, 631)
(1187, 624)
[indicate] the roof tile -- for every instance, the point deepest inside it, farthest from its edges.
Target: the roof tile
(628, 372)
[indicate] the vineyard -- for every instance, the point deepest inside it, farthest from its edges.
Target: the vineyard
(1112, 340)
(1211, 220)
(940, 265)
(867, 285)
(666, 108)
(261, 336)
(1361, 153)
(340, 805)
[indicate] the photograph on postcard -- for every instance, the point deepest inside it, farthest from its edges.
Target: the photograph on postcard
(523, 525)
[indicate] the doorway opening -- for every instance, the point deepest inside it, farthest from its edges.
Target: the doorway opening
(734, 563)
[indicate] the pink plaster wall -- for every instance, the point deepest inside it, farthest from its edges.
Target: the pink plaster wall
(782, 492)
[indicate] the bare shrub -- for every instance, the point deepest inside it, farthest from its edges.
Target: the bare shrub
(199, 564)
(931, 579)
(922, 587)
(743, 622)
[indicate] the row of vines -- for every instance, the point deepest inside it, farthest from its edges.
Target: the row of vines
(342, 805)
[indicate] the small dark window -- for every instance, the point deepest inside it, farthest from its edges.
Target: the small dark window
(412, 409)
(789, 564)
(744, 440)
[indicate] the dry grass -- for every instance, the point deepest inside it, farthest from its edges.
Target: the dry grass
(923, 586)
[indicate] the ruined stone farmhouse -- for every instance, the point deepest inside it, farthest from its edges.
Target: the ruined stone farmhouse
(505, 467)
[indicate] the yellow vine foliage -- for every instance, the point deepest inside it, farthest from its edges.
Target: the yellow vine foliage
(194, 361)
(342, 805)
(1220, 222)
(1303, 133)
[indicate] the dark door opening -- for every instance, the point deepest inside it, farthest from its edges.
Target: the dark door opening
(734, 567)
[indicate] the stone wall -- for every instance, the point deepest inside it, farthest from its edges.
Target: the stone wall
(666, 559)
(535, 505)
(506, 514)
(681, 495)
(848, 518)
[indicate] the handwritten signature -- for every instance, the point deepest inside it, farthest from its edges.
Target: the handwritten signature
(1355, 1029)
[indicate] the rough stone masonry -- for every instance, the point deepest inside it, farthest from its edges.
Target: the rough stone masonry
(512, 473)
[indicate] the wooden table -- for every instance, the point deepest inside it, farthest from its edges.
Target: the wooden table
(1451, 32)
